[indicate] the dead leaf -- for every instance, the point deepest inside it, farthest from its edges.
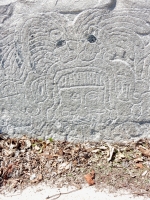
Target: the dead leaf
(44, 144)
(90, 178)
(8, 171)
(40, 177)
(147, 164)
(95, 150)
(60, 152)
(48, 142)
(35, 179)
(120, 156)
(139, 165)
(145, 152)
(37, 148)
(75, 162)
(32, 177)
(144, 173)
(41, 150)
(13, 183)
(63, 167)
(136, 160)
(28, 144)
(9, 152)
(103, 148)
(132, 175)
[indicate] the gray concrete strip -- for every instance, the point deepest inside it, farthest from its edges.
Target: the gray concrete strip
(43, 192)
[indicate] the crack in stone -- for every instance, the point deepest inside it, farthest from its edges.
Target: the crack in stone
(56, 2)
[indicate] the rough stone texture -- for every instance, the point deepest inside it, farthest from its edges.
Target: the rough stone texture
(75, 70)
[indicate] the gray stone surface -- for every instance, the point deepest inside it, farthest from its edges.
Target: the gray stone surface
(75, 70)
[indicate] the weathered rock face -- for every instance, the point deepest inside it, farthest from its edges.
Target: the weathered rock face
(75, 70)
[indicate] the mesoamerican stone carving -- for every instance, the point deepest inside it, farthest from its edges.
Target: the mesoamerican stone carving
(75, 76)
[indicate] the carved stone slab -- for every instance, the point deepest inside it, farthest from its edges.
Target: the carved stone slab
(75, 76)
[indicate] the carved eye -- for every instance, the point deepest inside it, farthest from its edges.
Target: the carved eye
(75, 96)
(91, 38)
(92, 96)
(60, 43)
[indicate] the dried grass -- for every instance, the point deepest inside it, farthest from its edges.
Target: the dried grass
(28, 161)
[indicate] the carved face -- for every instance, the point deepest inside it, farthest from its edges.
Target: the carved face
(81, 102)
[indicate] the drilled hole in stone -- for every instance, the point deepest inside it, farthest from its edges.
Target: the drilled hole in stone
(91, 38)
(60, 43)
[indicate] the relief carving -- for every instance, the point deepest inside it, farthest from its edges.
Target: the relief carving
(75, 76)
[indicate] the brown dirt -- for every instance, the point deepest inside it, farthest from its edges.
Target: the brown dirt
(28, 161)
